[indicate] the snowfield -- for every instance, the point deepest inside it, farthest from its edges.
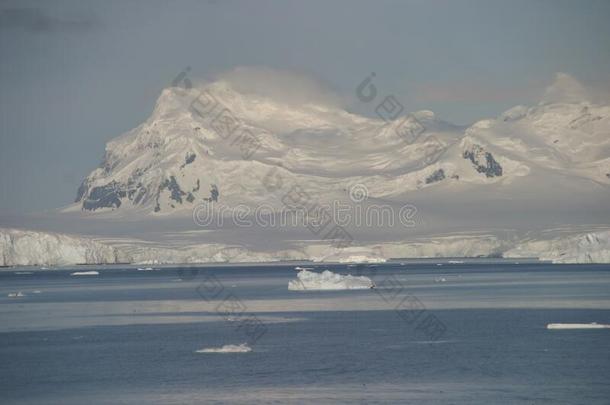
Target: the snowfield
(327, 280)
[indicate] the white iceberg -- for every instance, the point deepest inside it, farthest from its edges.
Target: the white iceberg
(85, 273)
(593, 325)
(309, 280)
(242, 348)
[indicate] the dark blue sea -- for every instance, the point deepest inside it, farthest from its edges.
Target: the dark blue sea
(454, 333)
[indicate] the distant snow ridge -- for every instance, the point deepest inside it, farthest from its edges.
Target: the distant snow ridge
(308, 280)
(241, 348)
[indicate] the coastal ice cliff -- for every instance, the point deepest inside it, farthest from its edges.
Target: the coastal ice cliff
(25, 248)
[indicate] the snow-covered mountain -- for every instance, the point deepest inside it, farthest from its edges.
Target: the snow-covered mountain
(215, 143)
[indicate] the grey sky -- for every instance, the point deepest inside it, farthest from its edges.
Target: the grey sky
(75, 74)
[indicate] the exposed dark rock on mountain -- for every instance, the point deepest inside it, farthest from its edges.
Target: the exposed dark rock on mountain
(438, 175)
(483, 162)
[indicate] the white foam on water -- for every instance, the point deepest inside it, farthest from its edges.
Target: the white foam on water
(241, 348)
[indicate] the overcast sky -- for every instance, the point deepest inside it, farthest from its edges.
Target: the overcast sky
(74, 74)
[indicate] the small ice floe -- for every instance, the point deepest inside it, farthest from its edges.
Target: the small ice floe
(17, 294)
(440, 279)
(36, 292)
(85, 273)
(455, 262)
(242, 348)
(593, 325)
(308, 280)
(24, 272)
(439, 264)
(146, 269)
(303, 268)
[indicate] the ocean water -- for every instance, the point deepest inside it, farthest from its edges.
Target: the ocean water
(462, 333)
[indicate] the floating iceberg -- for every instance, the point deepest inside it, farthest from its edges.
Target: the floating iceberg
(85, 273)
(242, 348)
(593, 325)
(308, 280)
(16, 294)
